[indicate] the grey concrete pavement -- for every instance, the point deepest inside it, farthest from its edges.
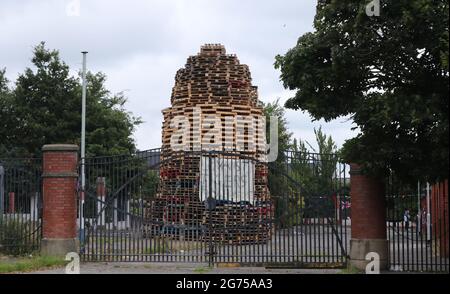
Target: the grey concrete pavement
(178, 268)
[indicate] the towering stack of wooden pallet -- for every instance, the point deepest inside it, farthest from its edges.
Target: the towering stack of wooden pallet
(212, 90)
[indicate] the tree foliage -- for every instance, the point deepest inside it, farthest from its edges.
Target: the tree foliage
(5, 109)
(314, 168)
(389, 72)
(301, 180)
(44, 107)
(276, 179)
(275, 109)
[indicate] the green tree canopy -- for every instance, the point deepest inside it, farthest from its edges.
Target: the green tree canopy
(276, 179)
(389, 72)
(275, 109)
(316, 170)
(44, 107)
(5, 102)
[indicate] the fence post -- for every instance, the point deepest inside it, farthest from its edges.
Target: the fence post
(12, 203)
(59, 217)
(101, 195)
(115, 220)
(368, 224)
(34, 212)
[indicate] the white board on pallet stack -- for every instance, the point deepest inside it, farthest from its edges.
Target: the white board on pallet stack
(232, 179)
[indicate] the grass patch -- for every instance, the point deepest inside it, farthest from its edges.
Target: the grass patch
(157, 248)
(171, 246)
(18, 237)
(202, 270)
(26, 264)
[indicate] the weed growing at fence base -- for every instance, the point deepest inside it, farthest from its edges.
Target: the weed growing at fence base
(202, 270)
(18, 237)
(27, 264)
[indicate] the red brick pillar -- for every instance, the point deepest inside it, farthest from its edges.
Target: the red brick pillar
(59, 218)
(439, 212)
(12, 203)
(368, 218)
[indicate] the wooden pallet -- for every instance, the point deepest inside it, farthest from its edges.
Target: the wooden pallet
(212, 88)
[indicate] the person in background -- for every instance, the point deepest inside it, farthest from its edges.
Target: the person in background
(423, 219)
(406, 219)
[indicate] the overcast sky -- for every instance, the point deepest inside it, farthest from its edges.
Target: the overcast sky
(141, 44)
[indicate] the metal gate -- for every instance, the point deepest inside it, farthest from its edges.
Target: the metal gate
(20, 205)
(137, 208)
(417, 226)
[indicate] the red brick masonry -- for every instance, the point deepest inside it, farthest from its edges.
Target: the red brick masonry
(368, 206)
(59, 191)
(439, 206)
(12, 202)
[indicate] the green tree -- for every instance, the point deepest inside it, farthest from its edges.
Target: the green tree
(306, 180)
(276, 178)
(4, 105)
(279, 186)
(45, 108)
(390, 73)
(275, 109)
(315, 168)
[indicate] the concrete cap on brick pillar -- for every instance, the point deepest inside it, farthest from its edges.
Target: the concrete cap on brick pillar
(355, 169)
(60, 147)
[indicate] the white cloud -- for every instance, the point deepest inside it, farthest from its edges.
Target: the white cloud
(140, 45)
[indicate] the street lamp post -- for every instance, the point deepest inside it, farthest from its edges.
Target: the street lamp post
(428, 213)
(83, 146)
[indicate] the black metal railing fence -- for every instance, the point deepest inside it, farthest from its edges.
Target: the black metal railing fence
(20, 205)
(217, 207)
(417, 227)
